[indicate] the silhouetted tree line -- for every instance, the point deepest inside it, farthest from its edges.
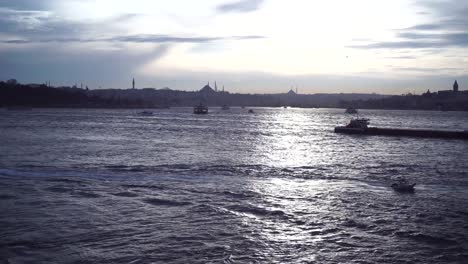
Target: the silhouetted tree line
(15, 94)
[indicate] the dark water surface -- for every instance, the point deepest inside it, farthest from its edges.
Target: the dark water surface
(277, 186)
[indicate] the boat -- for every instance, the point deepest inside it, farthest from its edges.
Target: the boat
(351, 110)
(225, 107)
(355, 126)
(403, 186)
(146, 113)
(361, 126)
(251, 111)
(200, 109)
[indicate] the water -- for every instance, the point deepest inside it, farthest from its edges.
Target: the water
(277, 186)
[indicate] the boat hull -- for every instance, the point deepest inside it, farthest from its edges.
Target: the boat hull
(423, 133)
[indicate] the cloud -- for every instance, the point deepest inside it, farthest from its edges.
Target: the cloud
(449, 29)
(411, 40)
(27, 25)
(242, 6)
(46, 27)
(25, 4)
(146, 38)
(428, 70)
(63, 65)
(407, 57)
(96, 51)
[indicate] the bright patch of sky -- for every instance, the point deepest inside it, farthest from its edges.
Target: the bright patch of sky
(183, 43)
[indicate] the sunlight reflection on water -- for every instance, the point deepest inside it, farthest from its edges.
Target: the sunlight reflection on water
(278, 186)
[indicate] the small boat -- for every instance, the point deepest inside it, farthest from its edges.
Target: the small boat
(251, 111)
(200, 109)
(351, 110)
(225, 107)
(146, 113)
(402, 186)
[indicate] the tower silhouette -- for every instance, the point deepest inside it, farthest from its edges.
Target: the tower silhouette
(455, 86)
(133, 83)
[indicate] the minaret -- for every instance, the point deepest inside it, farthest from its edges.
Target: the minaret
(455, 86)
(133, 83)
(216, 87)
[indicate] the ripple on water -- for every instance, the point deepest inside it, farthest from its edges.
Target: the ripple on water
(87, 194)
(270, 190)
(426, 238)
(7, 197)
(126, 194)
(59, 189)
(66, 180)
(257, 211)
(164, 202)
(145, 186)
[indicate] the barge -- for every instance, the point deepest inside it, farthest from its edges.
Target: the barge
(360, 126)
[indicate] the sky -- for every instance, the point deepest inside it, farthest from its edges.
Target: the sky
(248, 46)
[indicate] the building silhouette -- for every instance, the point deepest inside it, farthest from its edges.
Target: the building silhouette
(133, 83)
(455, 86)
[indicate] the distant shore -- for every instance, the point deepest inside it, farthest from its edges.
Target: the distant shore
(13, 94)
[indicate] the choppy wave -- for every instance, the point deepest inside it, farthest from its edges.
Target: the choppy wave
(227, 188)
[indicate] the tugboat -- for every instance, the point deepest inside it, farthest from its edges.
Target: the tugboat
(402, 186)
(225, 107)
(351, 110)
(200, 109)
(355, 126)
(360, 126)
(251, 111)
